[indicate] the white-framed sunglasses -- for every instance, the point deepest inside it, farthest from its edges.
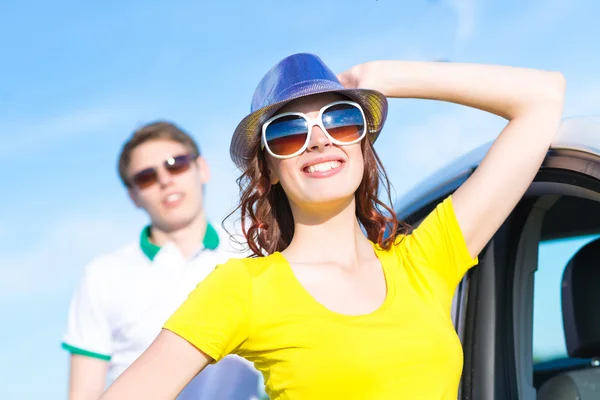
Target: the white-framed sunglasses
(287, 135)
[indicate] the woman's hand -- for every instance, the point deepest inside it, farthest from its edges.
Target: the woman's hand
(384, 76)
(350, 78)
(357, 77)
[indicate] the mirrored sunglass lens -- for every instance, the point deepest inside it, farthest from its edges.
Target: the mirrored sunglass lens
(286, 135)
(145, 178)
(344, 122)
(178, 164)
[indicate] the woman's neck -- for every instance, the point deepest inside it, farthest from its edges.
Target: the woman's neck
(327, 234)
(188, 238)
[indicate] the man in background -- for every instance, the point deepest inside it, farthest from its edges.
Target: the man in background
(125, 297)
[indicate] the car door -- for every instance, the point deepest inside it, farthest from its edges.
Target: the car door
(563, 203)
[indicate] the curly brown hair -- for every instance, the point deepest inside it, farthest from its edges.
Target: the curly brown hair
(267, 222)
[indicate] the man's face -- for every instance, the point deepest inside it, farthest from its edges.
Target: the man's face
(175, 200)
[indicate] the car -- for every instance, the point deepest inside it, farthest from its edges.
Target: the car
(527, 315)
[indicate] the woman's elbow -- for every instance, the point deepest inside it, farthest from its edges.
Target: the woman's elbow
(557, 86)
(551, 94)
(544, 100)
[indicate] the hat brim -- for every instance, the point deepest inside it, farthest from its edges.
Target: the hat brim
(247, 135)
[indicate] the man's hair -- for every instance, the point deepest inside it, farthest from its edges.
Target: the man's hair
(153, 131)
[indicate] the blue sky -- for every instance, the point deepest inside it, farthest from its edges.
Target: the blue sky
(76, 79)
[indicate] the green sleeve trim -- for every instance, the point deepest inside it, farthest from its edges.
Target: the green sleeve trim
(82, 352)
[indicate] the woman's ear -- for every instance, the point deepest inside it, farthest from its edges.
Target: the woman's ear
(272, 177)
(271, 171)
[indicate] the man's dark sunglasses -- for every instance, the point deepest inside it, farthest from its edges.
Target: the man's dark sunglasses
(174, 165)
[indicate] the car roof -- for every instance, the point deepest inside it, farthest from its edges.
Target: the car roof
(576, 133)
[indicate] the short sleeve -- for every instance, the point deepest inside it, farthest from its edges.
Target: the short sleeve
(215, 316)
(88, 330)
(438, 242)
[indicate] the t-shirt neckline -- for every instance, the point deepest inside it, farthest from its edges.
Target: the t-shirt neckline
(295, 284)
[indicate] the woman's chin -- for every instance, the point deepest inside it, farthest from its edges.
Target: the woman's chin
(325, 198)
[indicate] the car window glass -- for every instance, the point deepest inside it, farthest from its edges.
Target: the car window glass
(548, 333)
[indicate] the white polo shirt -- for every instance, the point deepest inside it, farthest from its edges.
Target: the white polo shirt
(125, 297)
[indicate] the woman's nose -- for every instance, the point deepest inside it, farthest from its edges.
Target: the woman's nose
(318, 139)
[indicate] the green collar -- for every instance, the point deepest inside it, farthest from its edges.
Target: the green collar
(210, 241)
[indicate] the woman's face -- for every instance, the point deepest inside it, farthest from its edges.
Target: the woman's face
(324, 173)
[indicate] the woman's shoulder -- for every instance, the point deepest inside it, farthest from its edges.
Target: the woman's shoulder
(250, 267)
(395, 245)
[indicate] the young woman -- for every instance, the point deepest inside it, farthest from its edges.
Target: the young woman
(326, 311)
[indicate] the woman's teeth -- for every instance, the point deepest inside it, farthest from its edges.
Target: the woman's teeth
(322, 167)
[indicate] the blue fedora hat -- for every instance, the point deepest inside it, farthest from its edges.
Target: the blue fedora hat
(293, 77)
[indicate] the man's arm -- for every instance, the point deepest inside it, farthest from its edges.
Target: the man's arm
(88, 338)
(87, 377)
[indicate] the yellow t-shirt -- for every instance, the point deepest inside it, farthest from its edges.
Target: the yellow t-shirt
(406, 349)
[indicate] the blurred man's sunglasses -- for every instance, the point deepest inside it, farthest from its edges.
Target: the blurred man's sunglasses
(174, 165)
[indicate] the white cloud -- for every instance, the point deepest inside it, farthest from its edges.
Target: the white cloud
(540, 15)
(520, 28)
(88, 120)
(465, 11)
